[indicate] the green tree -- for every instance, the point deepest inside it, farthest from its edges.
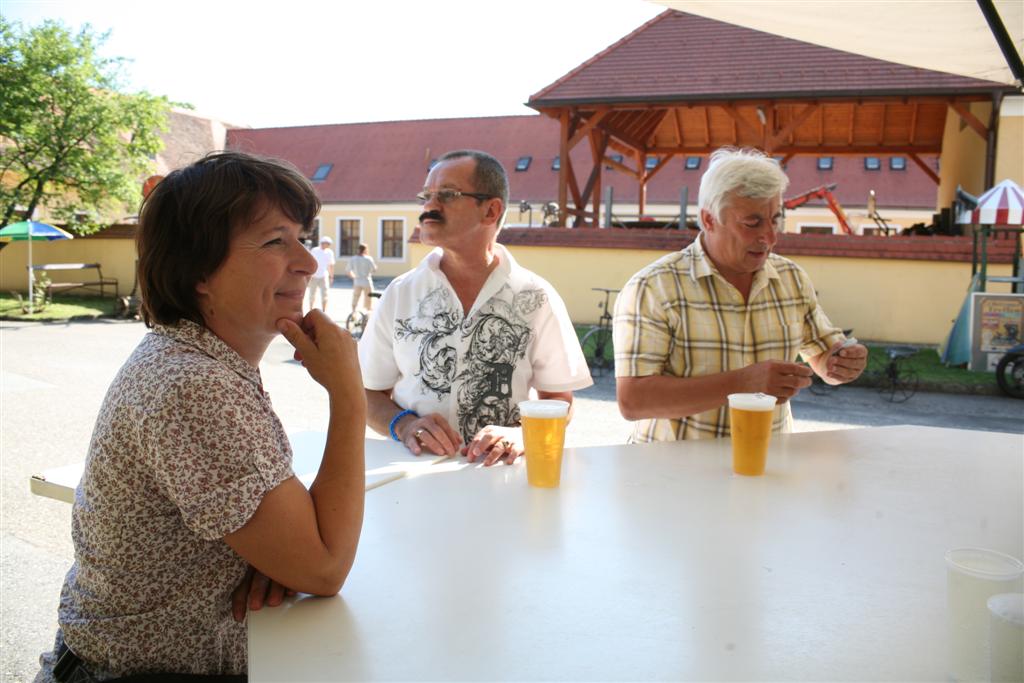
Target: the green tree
(71, 139)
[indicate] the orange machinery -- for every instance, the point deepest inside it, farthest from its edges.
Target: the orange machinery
(823, 192)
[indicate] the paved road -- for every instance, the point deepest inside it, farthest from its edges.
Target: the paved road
(53, 378)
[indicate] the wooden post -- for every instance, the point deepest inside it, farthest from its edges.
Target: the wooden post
(597, 154)
(990, 141)
(641, 165)
(563, 170)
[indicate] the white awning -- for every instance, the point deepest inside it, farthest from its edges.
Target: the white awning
(941, 35)
(1002, 205)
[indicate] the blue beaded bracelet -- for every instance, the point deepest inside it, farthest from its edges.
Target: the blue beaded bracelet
(396, 418)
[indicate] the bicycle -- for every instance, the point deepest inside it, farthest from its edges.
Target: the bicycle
(898, 379)
(597, 343)
(1010, 372)
(357, 319)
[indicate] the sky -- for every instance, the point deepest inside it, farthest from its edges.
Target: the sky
(306, 62)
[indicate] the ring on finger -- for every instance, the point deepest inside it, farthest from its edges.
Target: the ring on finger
(418, 434)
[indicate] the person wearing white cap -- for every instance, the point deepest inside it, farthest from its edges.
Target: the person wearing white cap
(324, 276)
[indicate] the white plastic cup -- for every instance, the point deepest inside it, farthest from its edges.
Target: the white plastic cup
(1006, 637)
(750, 427)
(973, 576)
(544, 438)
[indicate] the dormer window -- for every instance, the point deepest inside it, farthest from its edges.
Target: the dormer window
(692, 163)
(523, 163)
(322, 172)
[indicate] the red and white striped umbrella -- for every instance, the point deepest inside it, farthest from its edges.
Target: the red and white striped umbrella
(1002, 205)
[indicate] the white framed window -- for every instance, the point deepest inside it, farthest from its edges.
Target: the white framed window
(391, 238)
(816, 228)
(350, 235)
(873, 229)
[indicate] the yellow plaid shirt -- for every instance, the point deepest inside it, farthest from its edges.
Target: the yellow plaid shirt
(680, 317)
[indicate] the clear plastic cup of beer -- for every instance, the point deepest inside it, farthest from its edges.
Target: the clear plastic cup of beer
(544, 438)
(750, 419)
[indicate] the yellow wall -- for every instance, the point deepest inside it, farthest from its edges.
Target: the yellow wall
(963, 155)
(370, 216)
(115, 255)
(1010, 145)
(882, 299)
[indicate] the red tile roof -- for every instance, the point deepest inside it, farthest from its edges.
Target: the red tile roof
(678, 56)
(387, 162)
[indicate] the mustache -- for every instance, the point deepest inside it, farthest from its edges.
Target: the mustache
(431, 215)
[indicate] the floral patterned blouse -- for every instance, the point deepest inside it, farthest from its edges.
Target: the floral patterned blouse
(184, 449)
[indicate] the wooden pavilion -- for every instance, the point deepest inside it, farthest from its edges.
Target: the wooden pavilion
(684, 85)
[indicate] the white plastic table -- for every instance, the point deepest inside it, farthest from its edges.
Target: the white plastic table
(386, 461)
(655, 562)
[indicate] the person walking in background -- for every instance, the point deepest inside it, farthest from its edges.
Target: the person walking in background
(724, 315)
(456, 343)
(361, 269)
(324, 276)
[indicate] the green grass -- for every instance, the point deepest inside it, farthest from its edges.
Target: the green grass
(64, 307)
(929, 368)
(932, 373)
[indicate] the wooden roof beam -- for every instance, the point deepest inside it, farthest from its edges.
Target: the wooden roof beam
(597, 149)
(621, 147)
(661, 164)
(588, 125)
(638, 126)
(679, 127)
(741, 122)
(622, 167)
(791, 127)
(924, 167)
(574, 188)
(860, 150)
(970, 119)
(800, 150)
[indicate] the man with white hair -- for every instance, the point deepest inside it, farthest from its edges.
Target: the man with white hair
(324, 275)
(724, 315)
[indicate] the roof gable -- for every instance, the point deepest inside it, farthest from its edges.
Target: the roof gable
(680, 57)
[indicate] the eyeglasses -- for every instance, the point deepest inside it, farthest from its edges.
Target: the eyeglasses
(449, 196)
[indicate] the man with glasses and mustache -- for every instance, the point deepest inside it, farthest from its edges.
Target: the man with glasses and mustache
(455, 344)
(724, 315)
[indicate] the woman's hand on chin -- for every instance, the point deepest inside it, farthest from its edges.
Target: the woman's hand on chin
(328, 353)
